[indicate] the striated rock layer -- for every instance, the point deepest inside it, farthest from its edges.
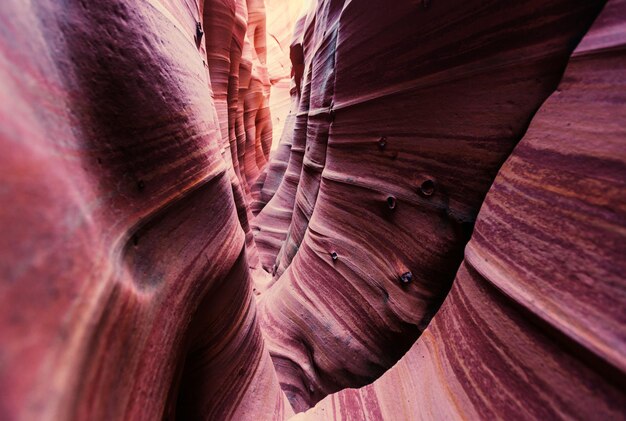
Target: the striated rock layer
(273, 221)
(125, 291)
(534, 325)
(143, 209)
(406, 128)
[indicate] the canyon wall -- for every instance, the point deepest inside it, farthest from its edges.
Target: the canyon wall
(175, 247)
(534, 325)
(406, 124)
(128, 150)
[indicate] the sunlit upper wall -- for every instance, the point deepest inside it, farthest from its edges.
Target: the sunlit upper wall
(281, 18)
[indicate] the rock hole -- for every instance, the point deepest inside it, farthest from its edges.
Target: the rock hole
(406, 278)
(427, 188)
(382, 142)
(199, 33)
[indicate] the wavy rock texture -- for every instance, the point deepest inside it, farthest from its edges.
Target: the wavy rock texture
(253, 94)
(388, 173)
(272, 223)
(141, 205)
(125, 282)
(322, 81)
(281, 15)
(534, 325)
(281, 18)
(221, 21)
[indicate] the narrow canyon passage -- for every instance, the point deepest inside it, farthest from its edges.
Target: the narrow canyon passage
(312, 209)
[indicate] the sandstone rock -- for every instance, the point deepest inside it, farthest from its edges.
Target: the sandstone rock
(533, 327)
(159, 260)
(425, 109)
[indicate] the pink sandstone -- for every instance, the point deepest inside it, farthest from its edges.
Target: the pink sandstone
(345, 209)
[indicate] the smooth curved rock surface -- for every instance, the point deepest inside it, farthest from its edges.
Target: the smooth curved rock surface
(272, 223)
(534, 325)
(283, 37)
(158, 262)
(219, 23)
(124, 277)
(320, 117)
(282, 16)
(408, 161)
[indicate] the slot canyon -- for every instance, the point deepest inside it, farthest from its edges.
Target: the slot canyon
(313, 210)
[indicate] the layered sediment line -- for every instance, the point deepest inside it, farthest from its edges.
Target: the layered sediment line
(123, 260)
(409, 157)
(535, 311)
(272, 223)
(439, 233)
